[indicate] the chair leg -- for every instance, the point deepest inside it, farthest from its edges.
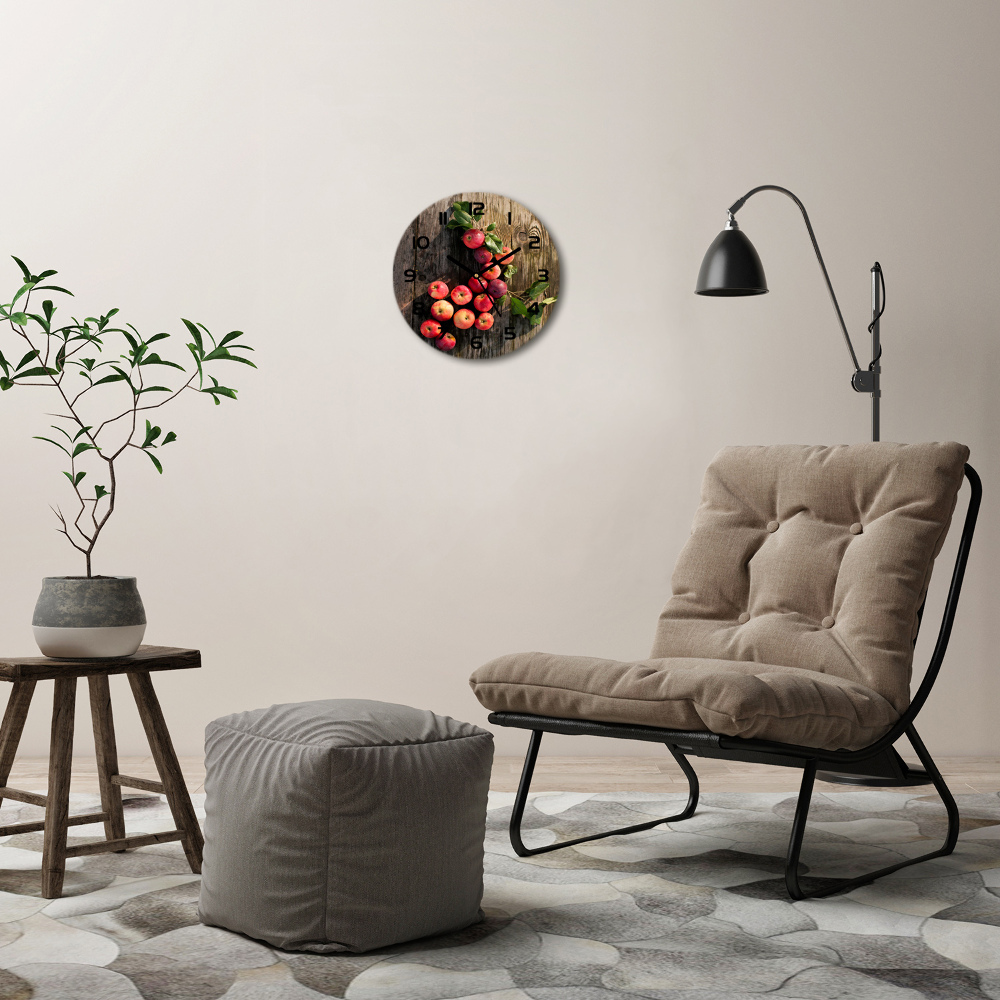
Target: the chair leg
(13, 725)
(521, 801)
(107, 756)
(60, 767)
(792, 883)
(162, 748)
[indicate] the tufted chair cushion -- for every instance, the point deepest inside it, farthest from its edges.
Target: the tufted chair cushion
(794, 607)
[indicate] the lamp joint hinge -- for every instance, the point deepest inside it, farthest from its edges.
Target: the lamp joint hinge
(862, 381)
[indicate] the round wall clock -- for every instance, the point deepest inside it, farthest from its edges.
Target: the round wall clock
(476, 275)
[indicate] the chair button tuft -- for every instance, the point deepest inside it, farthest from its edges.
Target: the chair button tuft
(856, 528)
(772, 526)
(828, 622)
(743, 618)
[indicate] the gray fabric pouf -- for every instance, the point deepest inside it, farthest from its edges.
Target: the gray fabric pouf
(344, 825)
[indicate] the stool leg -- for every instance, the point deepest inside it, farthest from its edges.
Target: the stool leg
(162, 749)
(60, 766)
(106, 751)
(13, 724)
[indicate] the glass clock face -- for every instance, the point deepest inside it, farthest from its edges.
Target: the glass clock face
(476, 275)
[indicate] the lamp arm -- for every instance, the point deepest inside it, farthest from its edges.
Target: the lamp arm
(737, 205)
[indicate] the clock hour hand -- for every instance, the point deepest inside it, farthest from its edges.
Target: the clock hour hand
(461, 265)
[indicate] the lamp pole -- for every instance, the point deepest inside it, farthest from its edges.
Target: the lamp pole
(876, 366)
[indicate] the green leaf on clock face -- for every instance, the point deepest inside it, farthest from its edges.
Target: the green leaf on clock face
(491, 227)
(462, 218)
(492, 242)
(548, 301)
(536, 319)
(536, 287)
(518, 307)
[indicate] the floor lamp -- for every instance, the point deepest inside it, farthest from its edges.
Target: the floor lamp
(732, 267)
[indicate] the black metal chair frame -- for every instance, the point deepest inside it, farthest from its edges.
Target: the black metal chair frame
(877, 764)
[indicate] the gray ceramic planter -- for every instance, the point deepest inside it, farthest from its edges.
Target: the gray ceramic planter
(81, 618)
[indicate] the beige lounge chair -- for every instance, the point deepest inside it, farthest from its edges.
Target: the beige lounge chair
(789, 637)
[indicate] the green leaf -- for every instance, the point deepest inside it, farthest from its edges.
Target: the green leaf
(133, 343)
(19, 318)
(54, 288)
(222, 354)
(155, 388)
(156, 337)
(45, 274)
(48, 309)
(4, 364)
(124, 376)
(34, 372)
(155, 359)
(30, 356)
(155, 461)
(549, 300)
(493, 243)
(100, 491)
(518, 307)
(536, 319)
(491, 227)
(221, 390)
(110, 378)
(82, 430)
(170, 437)
(24, 269)
(195, 333)
(152, 433)
(22, 290)
(536, 287)
(75, 480)
(50, 441)
(82, 447)
(5, 384)
(232, 336)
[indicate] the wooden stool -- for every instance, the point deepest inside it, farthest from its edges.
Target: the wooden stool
(24, 673)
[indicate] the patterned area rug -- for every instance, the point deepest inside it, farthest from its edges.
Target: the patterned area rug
(692, 913)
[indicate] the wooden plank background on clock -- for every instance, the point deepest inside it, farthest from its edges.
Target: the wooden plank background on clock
(432, 263)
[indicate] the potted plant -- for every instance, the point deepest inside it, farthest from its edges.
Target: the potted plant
(106, 381)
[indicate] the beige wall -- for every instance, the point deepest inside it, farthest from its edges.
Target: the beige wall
(374, 520)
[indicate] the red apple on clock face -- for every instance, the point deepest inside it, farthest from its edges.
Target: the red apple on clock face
(463, 319)
(476, 275)
(442, 310)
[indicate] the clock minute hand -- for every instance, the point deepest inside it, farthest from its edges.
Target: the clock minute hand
(506, 257)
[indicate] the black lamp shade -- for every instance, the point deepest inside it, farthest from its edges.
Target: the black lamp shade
(731, 267)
